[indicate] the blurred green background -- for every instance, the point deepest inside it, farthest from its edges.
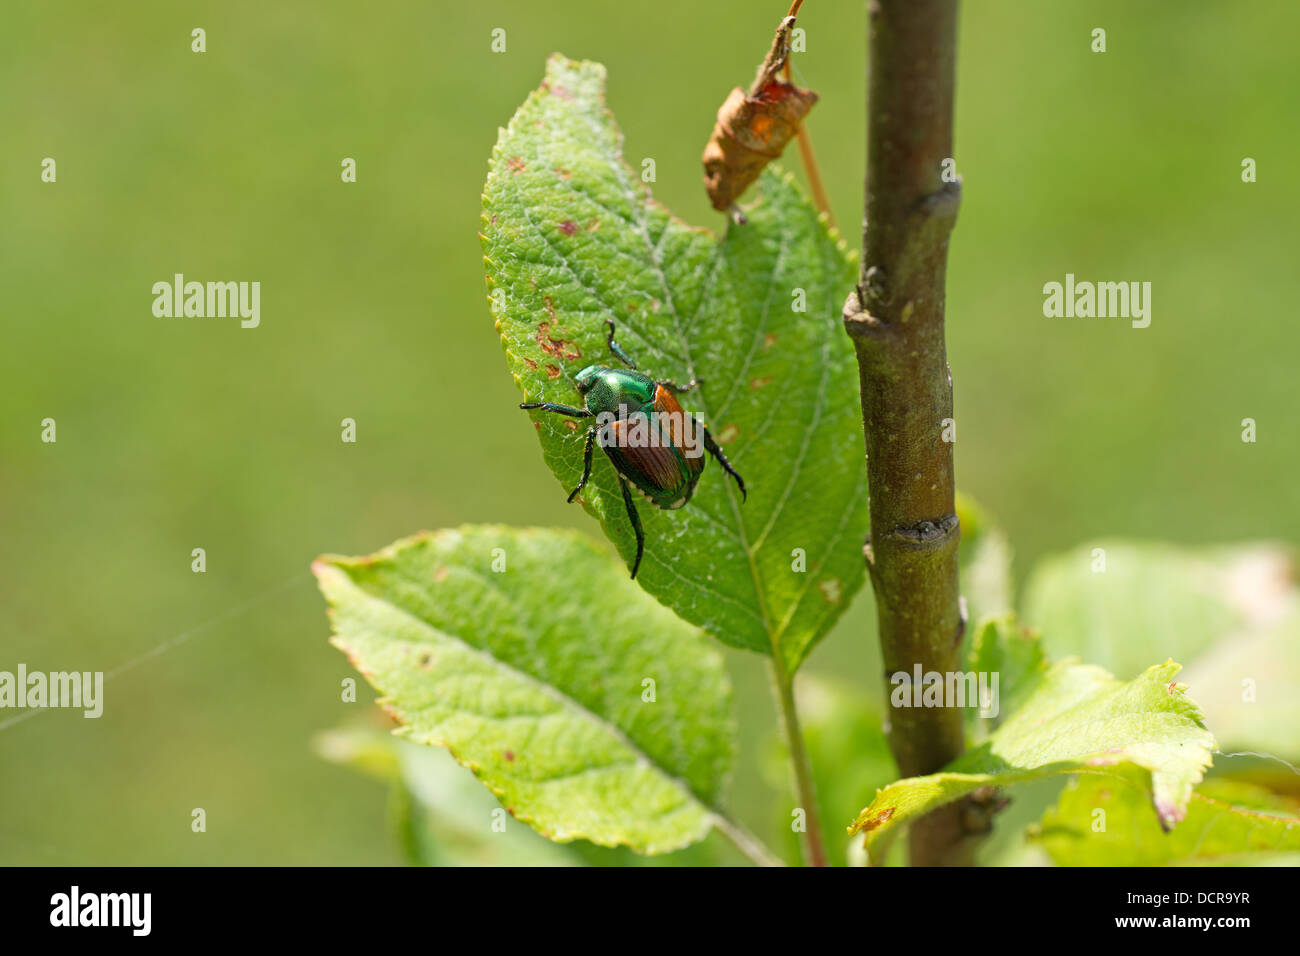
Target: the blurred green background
(177, 434)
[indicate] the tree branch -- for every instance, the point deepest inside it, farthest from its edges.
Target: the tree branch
(895, 318)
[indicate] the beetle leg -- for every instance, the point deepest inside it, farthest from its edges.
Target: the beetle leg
(559, 409)
(586, 462)
(618, 349)
(712, 448)
(689, 386)
(636, 523)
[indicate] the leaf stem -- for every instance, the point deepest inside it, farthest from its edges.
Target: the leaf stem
(805, 790)
(745, 841)
(810, 164)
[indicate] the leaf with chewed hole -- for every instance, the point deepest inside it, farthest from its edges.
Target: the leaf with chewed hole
(1079, 719)
(588, 709)
(571, 239)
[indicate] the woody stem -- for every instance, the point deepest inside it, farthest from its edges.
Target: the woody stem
(895, 318)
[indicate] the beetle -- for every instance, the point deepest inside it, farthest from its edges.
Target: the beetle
(648, 437)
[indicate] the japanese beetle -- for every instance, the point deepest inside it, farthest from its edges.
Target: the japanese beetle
(650, 441)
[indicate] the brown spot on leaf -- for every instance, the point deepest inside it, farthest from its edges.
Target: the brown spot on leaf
(769, 340)
(424, 661)
(760, 382)
(441, 573)
(881, 818)
(568, 227)
(571, 425)
(552, 371)
(552, 345)
(510, 756)
(728, 434)
(562, 172)
(531, 364)
(516, 164)
(593, 225)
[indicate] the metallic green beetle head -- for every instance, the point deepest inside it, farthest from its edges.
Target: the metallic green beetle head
(588, 377)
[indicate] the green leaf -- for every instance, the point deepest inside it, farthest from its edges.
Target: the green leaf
(1079, 719)
(1246, 685)
(532, 673)
(571, 239)
(1120, 603)
(985, 557)
(1231, 614)
(1226, 823)
(441, 815)
(1015, 654)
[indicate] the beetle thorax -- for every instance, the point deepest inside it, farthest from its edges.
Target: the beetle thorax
(607, 390)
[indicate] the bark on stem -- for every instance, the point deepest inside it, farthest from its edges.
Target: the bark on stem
(895, 318)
